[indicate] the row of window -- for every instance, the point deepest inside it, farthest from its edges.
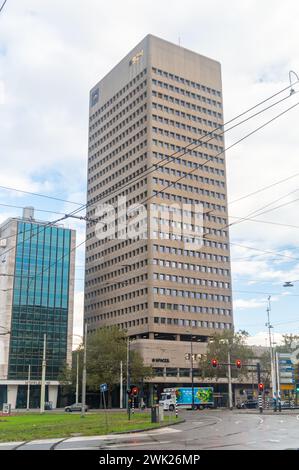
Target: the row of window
(114, 274)
(119, 298)
(191, 267)
(186, 127)
(188, 116)
(116, 96)
(116, 248)
(189, 152)
(191, 176)
(117, 139)
(102, 150)
(188, 200)
(190, 294)
(186, 81)
(184, 92)
(189, 140)
(111, 201)
(183, 213)
(192, 253)
(116, 285)
(124, 157)
(177, 228)
(193, 309)
(193, 323)
(191, 189)
(191, 280)
(117, 118)
(184, 162)
(185, 104)
(119, 312)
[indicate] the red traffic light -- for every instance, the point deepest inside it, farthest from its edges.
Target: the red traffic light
(134, 391)
(238, 364)
(214, 363)
(261, 387)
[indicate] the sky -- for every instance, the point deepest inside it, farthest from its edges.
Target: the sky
(53, 52)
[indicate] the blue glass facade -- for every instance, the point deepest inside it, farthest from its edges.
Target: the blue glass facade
(40, 300)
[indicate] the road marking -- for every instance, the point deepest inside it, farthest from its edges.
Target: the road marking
(138, 444)
(261, 420)
(273, 440)
(238, 422)
(281, 421)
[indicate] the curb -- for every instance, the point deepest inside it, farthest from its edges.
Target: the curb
(149, 429)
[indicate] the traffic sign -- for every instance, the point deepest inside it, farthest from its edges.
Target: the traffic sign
(103, 388)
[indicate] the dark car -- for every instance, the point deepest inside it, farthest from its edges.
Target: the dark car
(75, 407)
(247, 404)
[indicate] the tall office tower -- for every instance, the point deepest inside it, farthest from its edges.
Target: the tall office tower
(164, 289)
(37, 264)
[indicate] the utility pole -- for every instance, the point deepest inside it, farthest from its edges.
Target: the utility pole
(273, 371)
(121, 386)
(192, 378)
(28, 387)
(77, 379)
(84, 373)
(230, 393)
(260, 395)
(128, 379)
(43, 382)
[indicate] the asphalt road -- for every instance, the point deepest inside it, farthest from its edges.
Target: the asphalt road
(210, 429)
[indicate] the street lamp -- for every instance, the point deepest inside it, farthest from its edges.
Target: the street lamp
(230, 392)
(191, 364)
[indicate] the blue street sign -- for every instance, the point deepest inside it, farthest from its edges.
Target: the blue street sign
(103, 388)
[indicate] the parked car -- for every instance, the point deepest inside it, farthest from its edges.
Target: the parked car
(247, 404)
(75, 407)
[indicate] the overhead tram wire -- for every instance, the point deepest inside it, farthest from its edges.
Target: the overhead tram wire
(40, 195)
(3, 5)
(185, 149)
(198, 166)
(234, 144)
(199, 142)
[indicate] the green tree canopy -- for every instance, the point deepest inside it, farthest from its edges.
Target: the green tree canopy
(218, 349)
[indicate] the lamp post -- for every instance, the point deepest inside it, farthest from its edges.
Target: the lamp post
(229, 375)
(191, 367)
(84, 373)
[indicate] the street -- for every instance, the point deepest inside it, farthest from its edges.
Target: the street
(202, 430)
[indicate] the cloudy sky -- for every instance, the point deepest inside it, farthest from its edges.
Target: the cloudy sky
(53, 51)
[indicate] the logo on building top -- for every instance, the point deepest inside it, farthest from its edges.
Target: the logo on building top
(136, 58)
(95, 96)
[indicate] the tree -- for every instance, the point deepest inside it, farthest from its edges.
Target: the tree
(106, 348)
(218, 349)
(290, 343)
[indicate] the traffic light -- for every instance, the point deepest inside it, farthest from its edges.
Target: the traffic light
(238, 364)
(261, 387)
(134, 391)
(214, 363)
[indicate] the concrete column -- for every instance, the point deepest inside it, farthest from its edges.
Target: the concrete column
(151, 336)
(178, 337)
(53, 393)
(12, 392)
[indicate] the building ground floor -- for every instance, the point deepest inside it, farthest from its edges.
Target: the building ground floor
(15, 393)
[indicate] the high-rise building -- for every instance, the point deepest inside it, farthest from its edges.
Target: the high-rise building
(165, 288)
(37, 261)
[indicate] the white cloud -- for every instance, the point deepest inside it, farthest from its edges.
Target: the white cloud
(262, 339)
(53, 52)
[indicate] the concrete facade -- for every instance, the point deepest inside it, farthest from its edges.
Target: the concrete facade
(161, 289)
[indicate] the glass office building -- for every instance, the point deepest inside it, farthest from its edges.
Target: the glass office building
(39, 301)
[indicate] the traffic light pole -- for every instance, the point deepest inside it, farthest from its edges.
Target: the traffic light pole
(260, 397)
(230, 392)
